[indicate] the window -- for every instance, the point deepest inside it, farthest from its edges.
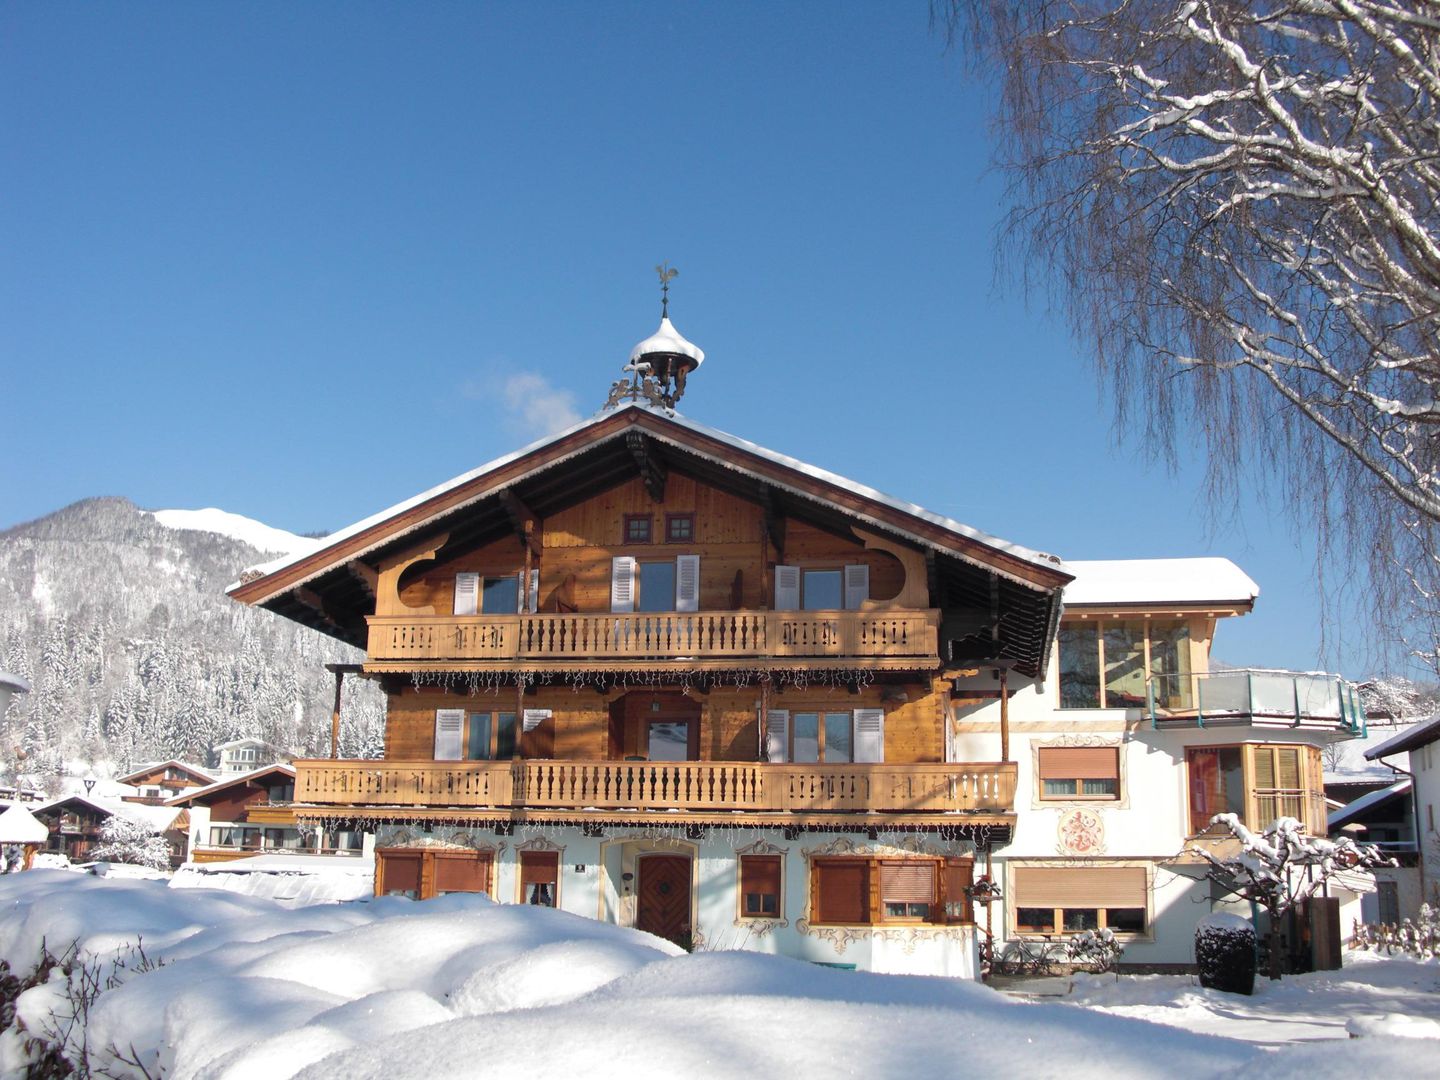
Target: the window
(480, 736)
(679, 528)
(495, 595)
(1051, 900)
(823, 588)
(539, 878)
(904, 890)
(812, 736)
(1284, 781)
(817, 736)
(421, 875)
(1117, 664)
(1079, 772)
(760, 882)
(281, 791)
(637, 528)
(820, 590)
(655, 585)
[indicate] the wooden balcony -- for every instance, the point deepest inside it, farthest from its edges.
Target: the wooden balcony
(692, 636)
(955, 788)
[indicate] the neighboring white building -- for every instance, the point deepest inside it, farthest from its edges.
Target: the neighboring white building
(1424, 766)
(246, 755)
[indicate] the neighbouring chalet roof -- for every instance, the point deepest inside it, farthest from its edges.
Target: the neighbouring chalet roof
(19, 826)
(247, 741)
(667, 341)
(973, 570)
(1159, 581)
(156, 818)
(255, 775)
(194, 771)
(14, 682)
(1351, 810)
(1417, 736)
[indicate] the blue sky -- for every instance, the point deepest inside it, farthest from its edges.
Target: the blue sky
(302, 261)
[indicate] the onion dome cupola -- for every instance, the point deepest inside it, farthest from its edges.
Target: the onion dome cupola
(661, 363)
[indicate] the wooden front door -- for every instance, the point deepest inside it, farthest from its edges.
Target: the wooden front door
(663, 897)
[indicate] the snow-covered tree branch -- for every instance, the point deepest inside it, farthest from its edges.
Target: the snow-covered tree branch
(1237, 205)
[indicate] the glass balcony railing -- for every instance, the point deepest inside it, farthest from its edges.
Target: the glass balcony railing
(1256, 695)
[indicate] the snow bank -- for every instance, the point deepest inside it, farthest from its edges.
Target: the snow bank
(290, 879)
(460, 987)
(258, 535)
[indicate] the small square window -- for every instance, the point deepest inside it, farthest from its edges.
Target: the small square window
(637, 528)
(679, 528)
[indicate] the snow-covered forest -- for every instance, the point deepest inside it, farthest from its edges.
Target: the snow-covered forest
(135, 654)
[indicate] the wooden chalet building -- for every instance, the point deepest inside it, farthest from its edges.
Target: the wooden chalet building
(158, 781)
(652, 673)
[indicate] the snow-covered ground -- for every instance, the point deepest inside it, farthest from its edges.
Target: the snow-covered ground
(461, 987)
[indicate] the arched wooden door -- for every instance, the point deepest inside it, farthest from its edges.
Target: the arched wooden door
(663, 897)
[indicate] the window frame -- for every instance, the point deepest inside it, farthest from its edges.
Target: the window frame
(876, 916)
(1078, 794)
(537, 855)
(429, 858)
(741, 894)
(820, 745)
(493, 743)
(628, 524)
(1056, 927)
(671, 520)
(638, 584)
(1309, 769)
(1100, 624)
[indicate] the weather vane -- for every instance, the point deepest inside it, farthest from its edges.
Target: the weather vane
(667, 275)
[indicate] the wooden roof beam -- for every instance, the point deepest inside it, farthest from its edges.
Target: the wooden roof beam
(366, 575)
(316, 603)
(525, 520)
(774, 520)
(648, 461)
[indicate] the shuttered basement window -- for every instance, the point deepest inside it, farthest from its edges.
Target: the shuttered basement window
(907, 888)
(842, 891)
(400, 875)
(760, 886)
(461, 872)
(1079, 772)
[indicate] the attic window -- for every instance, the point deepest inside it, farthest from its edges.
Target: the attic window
(679, 528)
(637, 528)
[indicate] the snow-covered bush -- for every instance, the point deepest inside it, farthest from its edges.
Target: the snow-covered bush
(1097, 950)
(126, 841)
(1225, 953)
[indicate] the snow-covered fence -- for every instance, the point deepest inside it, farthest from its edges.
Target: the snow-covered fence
(1418, 938)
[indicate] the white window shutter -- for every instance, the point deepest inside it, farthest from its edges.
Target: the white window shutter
(869, 734)
(857, 586)
(687, 583)
(534, 595)
(787, 588)
(467, 594)
(777, 735)
(449, 729)
(622, 583)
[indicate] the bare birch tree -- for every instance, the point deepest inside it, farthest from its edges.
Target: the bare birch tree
(1236, 204)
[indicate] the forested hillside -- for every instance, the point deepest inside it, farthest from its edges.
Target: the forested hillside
(135, 654)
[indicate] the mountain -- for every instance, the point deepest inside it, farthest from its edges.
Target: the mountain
(118, 618)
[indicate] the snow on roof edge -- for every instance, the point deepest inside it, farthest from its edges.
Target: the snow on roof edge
(186, 796)
(1202, 579)
(1425, 732)
(1037, 558)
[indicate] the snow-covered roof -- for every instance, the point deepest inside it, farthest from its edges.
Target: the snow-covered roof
(667, 340)
(241, 778)
(1350, 811)
(155, 818)
(14, 683)
(143, 770)
(238, 527)
(1419, 735)
(247, 741)
(1208, 580)
(1038, 558)
(19, 826)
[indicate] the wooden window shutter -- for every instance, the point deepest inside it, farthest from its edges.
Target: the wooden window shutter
(622, 583)
(399, 872)
(1086, 887)
(777, 735)
(1264, 764)
(462, 872)
(959, 876)
(857, 586)
(842, 891)
(467, 594)
(539, 868)
(908, 881)
(1079, 763)
(449, 727)
(1287, 767)
(787, 588)
(869, 735)
(533, 596)
(687, 583)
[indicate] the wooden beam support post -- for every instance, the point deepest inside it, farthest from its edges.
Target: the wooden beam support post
(1004, 715)
(335, 718)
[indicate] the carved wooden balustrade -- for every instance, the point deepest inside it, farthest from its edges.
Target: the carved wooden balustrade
(651, 636)
(659, 785)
